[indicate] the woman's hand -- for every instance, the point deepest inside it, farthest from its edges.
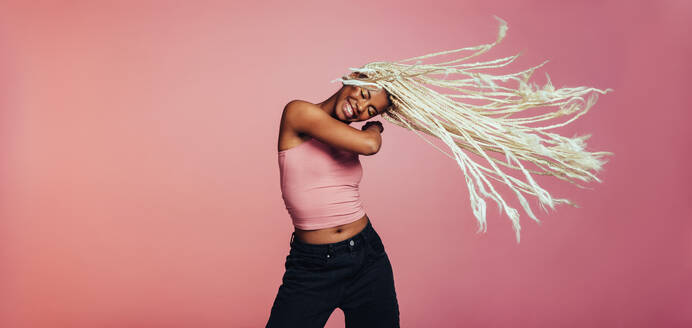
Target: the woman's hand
(371, 123)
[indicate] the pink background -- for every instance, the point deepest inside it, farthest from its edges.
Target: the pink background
(139, 178)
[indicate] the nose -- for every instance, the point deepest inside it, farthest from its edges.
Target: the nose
(360, 106)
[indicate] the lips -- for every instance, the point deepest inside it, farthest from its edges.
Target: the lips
(349, 109)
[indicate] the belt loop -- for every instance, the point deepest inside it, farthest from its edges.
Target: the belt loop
(293, 234)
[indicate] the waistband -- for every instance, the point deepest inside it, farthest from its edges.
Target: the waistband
(353, 243)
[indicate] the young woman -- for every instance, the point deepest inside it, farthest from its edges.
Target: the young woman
(337, 259)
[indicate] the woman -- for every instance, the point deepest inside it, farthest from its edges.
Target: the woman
(336, 259)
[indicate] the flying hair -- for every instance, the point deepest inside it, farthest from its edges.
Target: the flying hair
(476, 113)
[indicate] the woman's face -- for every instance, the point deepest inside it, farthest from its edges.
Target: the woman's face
(355, 104)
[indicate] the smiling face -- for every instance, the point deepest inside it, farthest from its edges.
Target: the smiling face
(355, 104)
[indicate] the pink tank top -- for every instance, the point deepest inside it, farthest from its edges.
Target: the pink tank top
(319, 185)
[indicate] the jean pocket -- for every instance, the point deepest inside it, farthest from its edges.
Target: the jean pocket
(305, 260)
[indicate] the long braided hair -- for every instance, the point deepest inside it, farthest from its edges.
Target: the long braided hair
(475, 111)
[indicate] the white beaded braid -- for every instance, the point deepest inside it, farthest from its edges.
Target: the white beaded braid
(486, 123)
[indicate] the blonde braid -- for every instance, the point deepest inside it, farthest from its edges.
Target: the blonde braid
(488, 127)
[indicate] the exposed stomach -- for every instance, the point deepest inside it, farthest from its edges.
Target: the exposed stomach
(333, 234)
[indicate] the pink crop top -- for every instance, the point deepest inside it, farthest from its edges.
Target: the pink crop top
(319, 185)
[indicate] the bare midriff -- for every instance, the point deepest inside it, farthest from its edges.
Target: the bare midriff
(333, 234)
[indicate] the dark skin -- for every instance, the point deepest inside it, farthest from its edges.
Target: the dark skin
(329, 122)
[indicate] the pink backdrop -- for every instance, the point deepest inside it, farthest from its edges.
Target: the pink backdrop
(139, 179)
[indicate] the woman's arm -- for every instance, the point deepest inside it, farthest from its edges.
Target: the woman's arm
(307, 118)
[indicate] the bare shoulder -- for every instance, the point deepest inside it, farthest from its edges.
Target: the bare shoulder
(299, 113)
(296, 109)
(291, 133)
(297, 103)
(289, 136)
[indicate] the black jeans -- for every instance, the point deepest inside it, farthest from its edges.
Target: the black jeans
(354, 275)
